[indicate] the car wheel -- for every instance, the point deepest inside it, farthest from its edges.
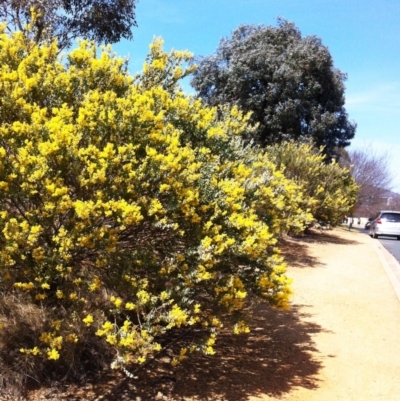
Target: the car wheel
(398, 238)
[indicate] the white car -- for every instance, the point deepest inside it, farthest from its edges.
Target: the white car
(385, 223)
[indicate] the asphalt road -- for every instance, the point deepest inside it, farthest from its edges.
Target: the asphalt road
(392, 245)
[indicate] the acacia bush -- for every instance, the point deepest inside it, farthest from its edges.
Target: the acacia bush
(329, 191)
(127, 210)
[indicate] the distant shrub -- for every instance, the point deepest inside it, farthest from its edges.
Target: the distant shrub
(328, 189)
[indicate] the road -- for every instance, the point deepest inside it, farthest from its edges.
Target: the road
(392, 245)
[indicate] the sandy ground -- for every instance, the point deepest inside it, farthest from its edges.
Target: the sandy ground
(339, 341)
(347, 294)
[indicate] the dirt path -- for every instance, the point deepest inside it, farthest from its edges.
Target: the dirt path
(339, 341)
(347, 294)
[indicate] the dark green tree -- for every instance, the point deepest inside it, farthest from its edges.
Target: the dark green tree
(287, 81)
(105, 21)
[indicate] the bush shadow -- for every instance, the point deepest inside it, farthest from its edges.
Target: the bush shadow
(295, 250)
(274, 358)
(278, 355)
(327, 237)
(296, 254)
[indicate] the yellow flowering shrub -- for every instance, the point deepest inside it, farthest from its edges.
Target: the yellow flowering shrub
(328, 189)
(128, 209)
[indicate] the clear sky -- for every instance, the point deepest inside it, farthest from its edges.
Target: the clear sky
(362, 36)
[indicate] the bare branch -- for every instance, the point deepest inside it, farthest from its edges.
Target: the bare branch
(370, 169)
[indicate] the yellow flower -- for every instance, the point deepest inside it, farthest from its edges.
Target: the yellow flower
(116, 301)
(111, 339)
(164, 187)
(56, 324)
(240, 328)
(107, 326)
(53, 354)
(72, 338)
(45, 337)
(126, 326)
(130, 306)
(164, 296)
(73, 296)
(88, 320)
(57, 342)
(143, 296)
(95, 285)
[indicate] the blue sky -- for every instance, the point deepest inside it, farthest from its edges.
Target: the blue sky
(363, 38)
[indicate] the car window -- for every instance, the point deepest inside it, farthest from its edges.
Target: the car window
(391, 217)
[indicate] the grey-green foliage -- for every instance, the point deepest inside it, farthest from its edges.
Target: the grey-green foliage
(100, 20)
(287, 81)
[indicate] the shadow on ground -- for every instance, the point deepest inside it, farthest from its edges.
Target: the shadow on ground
(273, 359)
(328, 237)
(295, 251)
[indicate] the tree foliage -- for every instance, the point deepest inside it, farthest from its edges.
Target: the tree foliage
(288, 83)
(101, 20)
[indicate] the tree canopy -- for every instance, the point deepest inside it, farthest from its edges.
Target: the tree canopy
(101, 20)
(288, 83)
